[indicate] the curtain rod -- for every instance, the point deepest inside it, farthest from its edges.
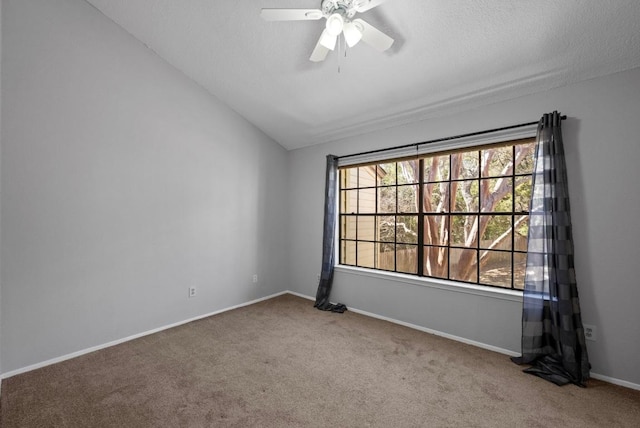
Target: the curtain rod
(438, 140)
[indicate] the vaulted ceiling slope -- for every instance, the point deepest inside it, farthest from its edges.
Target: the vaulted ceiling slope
(448, 56)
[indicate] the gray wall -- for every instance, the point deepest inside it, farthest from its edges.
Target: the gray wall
(123, 183)
(603, 151)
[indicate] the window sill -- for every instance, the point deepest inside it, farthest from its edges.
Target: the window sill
(440, 284)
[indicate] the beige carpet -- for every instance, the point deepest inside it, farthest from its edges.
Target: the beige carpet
(282, 363)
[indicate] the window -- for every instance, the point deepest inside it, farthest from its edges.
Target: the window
(460, 215)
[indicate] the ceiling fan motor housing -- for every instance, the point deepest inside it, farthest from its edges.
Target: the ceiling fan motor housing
(346, 8)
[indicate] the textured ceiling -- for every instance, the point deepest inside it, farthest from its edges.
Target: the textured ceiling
(448, 55)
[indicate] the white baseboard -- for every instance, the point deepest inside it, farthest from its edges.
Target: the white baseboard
(438, 333)
(471, 342)
(424, 329)
(304, 296)
(6, 375)
(126, 339)
(615, 381)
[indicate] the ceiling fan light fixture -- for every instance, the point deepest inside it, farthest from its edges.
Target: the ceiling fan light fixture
(352, 34)
(335, 24)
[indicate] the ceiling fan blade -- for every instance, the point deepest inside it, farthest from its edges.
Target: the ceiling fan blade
(291, 14)
(372, 36)
(365, 5)
(320, 52)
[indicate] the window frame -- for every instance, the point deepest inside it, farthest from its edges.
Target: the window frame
(511, 139)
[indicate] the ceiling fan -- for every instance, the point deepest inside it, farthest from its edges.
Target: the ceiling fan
(340, 20)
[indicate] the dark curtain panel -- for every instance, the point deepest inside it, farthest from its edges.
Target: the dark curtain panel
(552, 333)
(328, 240)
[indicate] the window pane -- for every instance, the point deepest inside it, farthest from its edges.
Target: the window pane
(408, 172)
(348, 253)
(349, 201)
(436, 230)
(366, 254)
(348, 227)
(496, 268)
(436, 168)
(436, 197)
(464, 165)
(386, 256)
(436, 260)
(348, 178)
(367, 201)
(407, 199)
(524, 158)
(463, 231)
(387, 200)
(407, 258)
(521, 233)
(497, 161)
(519, 267)
(387, 173)
(366, 228)
(407, 229)
(463, 265)
(466, 196)
(367, 176)
(523, 194)
(496, 194)
(386, 228)
(497, 232)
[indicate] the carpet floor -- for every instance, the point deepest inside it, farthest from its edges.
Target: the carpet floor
(282, 363)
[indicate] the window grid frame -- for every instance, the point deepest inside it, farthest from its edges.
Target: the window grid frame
(421, 214)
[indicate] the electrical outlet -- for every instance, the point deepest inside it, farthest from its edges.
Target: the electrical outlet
(192, 291)
(255, 278)
(318, 279)
(589, 332)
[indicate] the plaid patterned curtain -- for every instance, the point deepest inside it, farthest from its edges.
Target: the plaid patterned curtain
(328, 240)
(552, 332)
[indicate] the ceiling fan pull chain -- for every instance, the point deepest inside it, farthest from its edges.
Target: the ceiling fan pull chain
(339, 53)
